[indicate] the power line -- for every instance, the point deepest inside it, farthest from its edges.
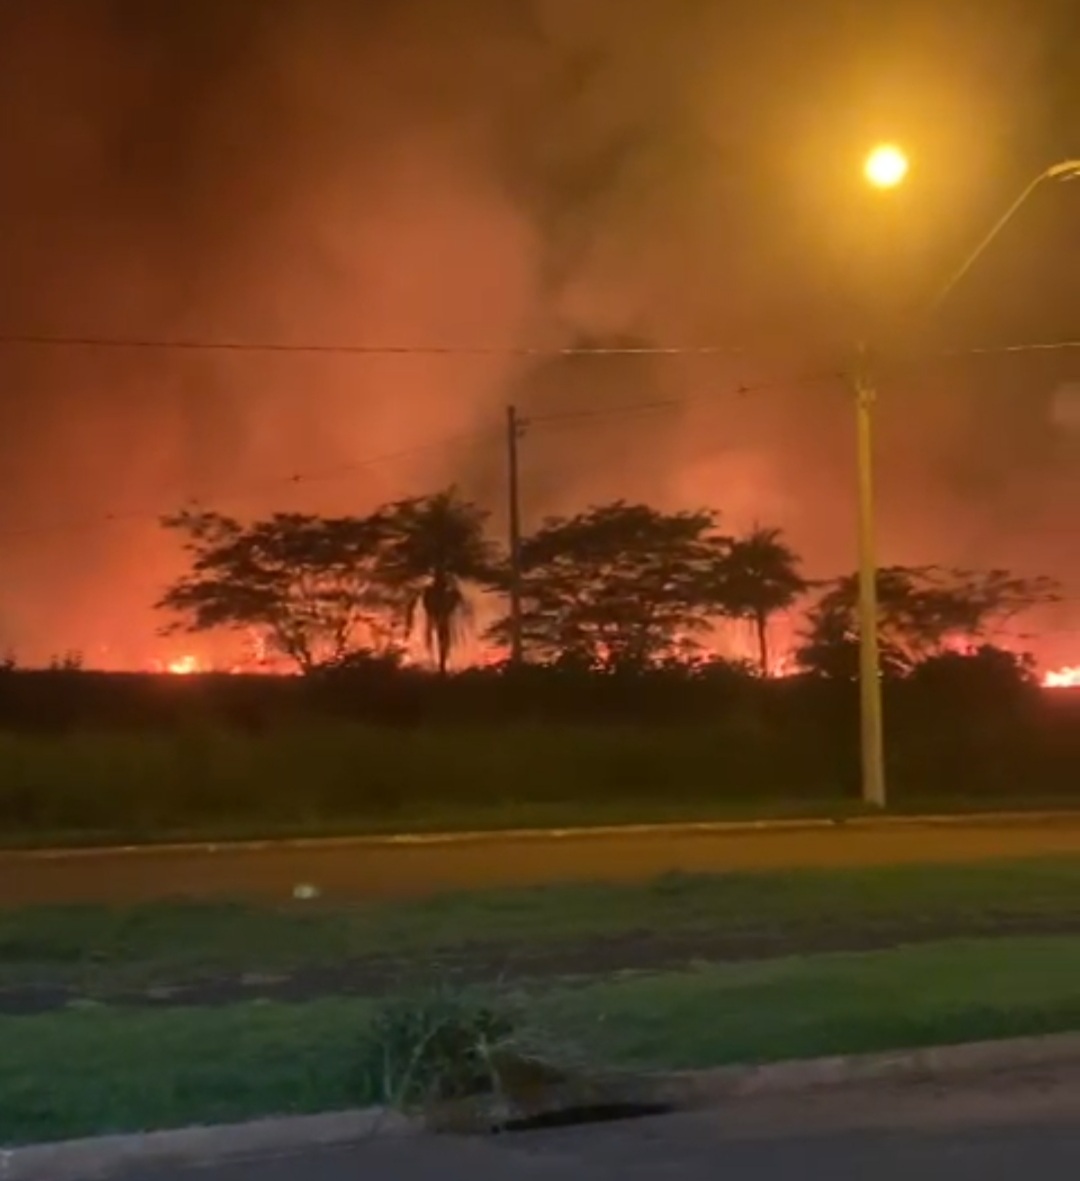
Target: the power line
(604, 412)
(27, 340)
(744, 389)
(696, 454)
(998, 350)
(109, 519)
(163, 344)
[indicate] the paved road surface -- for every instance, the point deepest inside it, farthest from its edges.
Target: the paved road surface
(1013, 1132)
(373, 870)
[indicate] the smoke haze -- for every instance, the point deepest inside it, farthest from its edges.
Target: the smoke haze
(502, 173)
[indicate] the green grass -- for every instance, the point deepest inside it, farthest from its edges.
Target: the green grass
(100, 948)
(935, 994)
(144, 783)
(212, 783)
(438, 817)
(94, 1071)
(83, 1072)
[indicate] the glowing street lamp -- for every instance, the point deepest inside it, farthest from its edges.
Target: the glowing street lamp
(886, 167)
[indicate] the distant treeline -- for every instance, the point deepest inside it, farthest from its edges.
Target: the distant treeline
(617, 587)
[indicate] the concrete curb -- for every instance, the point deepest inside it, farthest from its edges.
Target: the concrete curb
(87, 1160)
(102, 1156)
(695, 1089)
(497, 836)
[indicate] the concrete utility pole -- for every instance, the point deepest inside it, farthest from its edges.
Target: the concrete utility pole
(515, 428)
(871, 723)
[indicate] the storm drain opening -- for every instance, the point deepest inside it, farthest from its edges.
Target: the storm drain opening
(595, 1113)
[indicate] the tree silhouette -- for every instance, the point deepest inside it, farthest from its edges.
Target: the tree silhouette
(986, 674)
(435, 550)
(923, 611)
(617, 586)
(757, 577)
(309, 586)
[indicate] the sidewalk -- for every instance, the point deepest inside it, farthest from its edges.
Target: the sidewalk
(1009, 1128)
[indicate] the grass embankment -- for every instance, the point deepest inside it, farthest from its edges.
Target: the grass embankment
(79, 1073)
(105, 949)
(86, 788)
(345, 777)
(92, 1067)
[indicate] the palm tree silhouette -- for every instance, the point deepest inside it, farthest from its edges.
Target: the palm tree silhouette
(437, 548)
(760, 577)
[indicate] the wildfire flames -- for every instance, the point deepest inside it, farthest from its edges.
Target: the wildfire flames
(184, 666)
(253, 659)
(1067, 677)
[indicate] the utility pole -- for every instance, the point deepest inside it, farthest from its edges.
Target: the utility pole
(886, 168)
(515, 428)
(871, 727)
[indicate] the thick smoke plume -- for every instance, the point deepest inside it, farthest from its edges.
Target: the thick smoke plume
(502, 173)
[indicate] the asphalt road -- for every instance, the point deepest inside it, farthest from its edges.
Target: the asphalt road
(1009, 1133)
(372, 869)
(1013, 1155)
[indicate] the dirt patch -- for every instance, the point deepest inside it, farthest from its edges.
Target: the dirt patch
(479, 963)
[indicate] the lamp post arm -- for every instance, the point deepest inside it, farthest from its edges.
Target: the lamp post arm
(988, 240)
(1064, 170)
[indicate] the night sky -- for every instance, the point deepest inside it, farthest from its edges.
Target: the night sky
(497, 174)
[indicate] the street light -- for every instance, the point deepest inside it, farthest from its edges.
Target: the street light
(886, 167)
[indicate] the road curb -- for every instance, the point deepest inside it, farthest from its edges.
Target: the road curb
(695, 1089)
(593, 832)
(103, 1156)
(98, 1158)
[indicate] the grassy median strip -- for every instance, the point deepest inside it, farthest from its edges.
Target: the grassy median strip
(208, 781)
(438, 818)
(800, 1007)
(370, 777)
(94, 1069)
(102, 949)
